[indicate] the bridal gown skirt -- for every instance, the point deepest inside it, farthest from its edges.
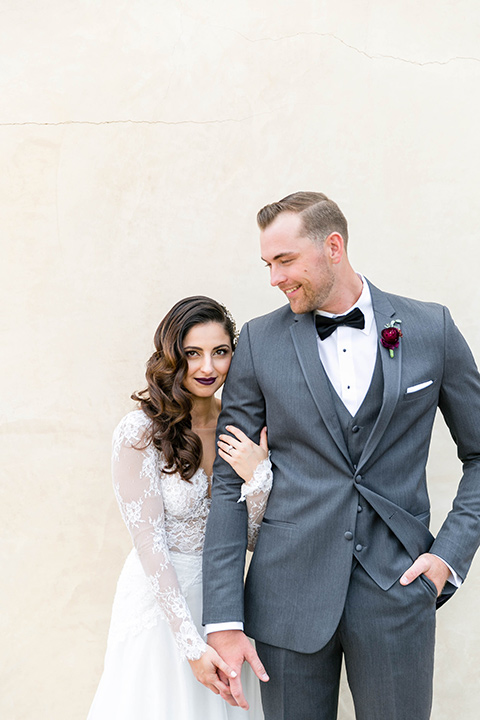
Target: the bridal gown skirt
(144, 678)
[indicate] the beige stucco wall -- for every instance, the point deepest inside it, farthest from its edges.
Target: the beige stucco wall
(137, 141)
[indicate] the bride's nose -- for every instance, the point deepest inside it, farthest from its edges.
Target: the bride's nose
(207, 364)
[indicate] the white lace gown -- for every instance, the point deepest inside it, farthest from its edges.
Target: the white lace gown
(156, 616)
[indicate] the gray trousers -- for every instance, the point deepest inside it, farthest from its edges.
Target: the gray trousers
(387, 639)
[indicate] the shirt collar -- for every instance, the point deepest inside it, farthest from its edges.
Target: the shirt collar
(364, 303)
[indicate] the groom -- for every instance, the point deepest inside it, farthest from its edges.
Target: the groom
(347, 379)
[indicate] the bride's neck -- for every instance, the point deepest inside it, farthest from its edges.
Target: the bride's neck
(205, 412)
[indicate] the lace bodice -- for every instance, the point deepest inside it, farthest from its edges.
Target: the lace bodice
(165, 514)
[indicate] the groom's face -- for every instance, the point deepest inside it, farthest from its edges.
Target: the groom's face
(298, 266)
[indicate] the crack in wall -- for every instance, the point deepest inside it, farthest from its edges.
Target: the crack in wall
(336, 38)
(133, 122)
(377, 56)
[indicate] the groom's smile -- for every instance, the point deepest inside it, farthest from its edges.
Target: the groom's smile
(299, 266)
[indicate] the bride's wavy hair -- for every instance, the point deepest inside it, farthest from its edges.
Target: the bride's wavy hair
(165, 401)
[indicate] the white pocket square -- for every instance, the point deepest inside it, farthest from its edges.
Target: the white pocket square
(416, 388)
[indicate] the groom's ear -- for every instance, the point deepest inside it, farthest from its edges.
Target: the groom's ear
(334, 246)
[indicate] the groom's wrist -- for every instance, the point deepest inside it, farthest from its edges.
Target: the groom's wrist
(218, 627)
(454, 578)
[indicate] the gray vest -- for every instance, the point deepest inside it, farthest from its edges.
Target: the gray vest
(374, 546)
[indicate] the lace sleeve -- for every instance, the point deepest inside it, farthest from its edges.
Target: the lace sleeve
(256, 492)
(136, 480)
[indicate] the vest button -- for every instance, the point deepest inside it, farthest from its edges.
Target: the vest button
(359, 508)
(355, 429)
(359, 548)
(348, 535)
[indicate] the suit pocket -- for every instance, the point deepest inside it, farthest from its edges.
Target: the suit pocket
(416, 395)
(431, 587)
(279, 523)
(270, 566)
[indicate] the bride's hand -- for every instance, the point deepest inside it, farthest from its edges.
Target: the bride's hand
(208, 670)
(242, 453)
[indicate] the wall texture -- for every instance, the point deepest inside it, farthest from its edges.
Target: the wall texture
(137, 141)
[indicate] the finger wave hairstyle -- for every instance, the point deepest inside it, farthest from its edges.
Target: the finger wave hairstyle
(165, 401)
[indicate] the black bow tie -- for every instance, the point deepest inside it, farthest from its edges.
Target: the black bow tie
(326, 325)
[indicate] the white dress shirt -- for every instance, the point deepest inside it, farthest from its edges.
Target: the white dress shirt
(348, 356)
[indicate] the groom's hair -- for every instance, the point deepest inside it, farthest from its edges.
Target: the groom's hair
(320, 216)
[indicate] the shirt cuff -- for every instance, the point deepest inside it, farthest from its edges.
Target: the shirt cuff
(218, 627)
(454, 578)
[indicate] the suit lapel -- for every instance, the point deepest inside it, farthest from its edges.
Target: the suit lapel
(304, 337)
(384, 313)
(305, 342)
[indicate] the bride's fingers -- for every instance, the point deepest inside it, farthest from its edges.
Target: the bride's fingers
(211, 679)
(241, 437)
(244, 442)
(264, 439)
(243, 445)
(212, 687)
(221, 689)
(227, 696)
(228, 444)
(237, 693)
(223, 667)
(221, 682)
(227, 441)
(225, 451)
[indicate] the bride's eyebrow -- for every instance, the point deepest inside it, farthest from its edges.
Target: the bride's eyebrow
(195, 347)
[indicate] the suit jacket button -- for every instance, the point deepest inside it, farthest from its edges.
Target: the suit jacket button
(359, 508)
(359, 548)
(348, 535)
(355, 429)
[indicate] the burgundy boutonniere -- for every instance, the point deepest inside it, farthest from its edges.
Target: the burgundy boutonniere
(390, 336)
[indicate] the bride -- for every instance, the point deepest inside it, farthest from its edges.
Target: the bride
(162, 462)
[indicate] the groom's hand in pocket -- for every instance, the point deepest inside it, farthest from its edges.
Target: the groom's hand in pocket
(235, 648)
(431, 566)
